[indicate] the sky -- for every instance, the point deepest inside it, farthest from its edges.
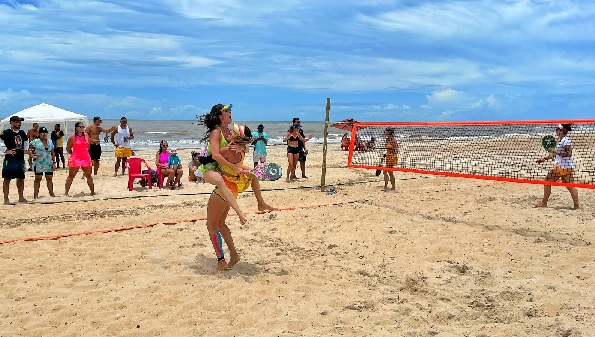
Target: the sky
(376, 60)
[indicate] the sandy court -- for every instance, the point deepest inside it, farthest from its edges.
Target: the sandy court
(438, 257)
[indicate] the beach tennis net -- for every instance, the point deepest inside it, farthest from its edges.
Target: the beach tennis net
(505, 151)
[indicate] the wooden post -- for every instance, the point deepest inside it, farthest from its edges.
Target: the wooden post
(326, 121)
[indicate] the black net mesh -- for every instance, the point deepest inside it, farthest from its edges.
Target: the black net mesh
(490, 151)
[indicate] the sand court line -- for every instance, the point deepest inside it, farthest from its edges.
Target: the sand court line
(173, 222)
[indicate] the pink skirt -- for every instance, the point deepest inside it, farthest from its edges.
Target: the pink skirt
(79, 159)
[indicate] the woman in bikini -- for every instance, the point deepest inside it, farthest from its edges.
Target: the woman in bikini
(78, 149)
(217, 122)
(392, 148)
(218, 206)
(293, 151)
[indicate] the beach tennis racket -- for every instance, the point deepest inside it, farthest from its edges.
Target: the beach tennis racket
(267, 171)
(379, 171)
(548, 142)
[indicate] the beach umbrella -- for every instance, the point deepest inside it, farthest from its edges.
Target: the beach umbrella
(346, 124)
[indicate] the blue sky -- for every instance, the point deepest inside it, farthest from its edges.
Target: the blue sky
(377, 60)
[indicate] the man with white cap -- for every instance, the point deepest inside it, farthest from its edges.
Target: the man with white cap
(13, 166)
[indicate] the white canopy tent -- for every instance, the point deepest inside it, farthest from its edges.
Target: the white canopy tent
(48, 115)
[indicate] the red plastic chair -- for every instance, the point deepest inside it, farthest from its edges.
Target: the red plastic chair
(135, 171)
(160, 177)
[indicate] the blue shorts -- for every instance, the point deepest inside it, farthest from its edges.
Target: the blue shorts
(13, 169)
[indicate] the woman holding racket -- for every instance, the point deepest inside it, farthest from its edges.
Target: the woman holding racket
(218, 205)
(563, 169)
(217, 122)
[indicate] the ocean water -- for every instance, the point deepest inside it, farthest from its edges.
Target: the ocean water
(188, 135)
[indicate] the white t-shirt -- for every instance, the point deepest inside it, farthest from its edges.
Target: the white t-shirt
(563, 162)
(122, 138)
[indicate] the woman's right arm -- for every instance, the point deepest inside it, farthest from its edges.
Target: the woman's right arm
(157, 163)
(286, 136)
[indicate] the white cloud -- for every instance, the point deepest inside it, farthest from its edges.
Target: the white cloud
(10, 95)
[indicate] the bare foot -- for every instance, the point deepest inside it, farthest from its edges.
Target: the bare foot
(576, 207)
(52, 195)
(304, 177)
(266, 207)
(6, 202)
(92, 193)
(232, 261)
(540, 205)
(221, 265)
(23, 200)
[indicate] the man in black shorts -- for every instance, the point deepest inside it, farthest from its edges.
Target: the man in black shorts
(94, 131)
(13, 167)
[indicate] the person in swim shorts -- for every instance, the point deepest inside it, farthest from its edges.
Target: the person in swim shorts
(563, 168)
(121, 139)
(391, 158)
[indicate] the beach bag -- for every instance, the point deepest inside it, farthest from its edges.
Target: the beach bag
(143, 182)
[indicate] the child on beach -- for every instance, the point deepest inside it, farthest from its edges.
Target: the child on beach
(173, 161)
(194, 174)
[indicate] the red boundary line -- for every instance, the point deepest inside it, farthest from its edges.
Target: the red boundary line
(120, 229)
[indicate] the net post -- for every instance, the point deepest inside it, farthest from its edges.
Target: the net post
(326, 122)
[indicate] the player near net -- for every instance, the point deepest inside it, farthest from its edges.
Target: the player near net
(391, 157)
(563, 169)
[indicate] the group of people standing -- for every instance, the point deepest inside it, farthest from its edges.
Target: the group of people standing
(296, 149)
(46, 153)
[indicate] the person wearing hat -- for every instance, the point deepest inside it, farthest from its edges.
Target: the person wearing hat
(44, 161)
(563, 166)
(260, 146)
(13, 167)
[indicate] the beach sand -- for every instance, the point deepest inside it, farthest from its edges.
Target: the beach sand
(438, 257)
